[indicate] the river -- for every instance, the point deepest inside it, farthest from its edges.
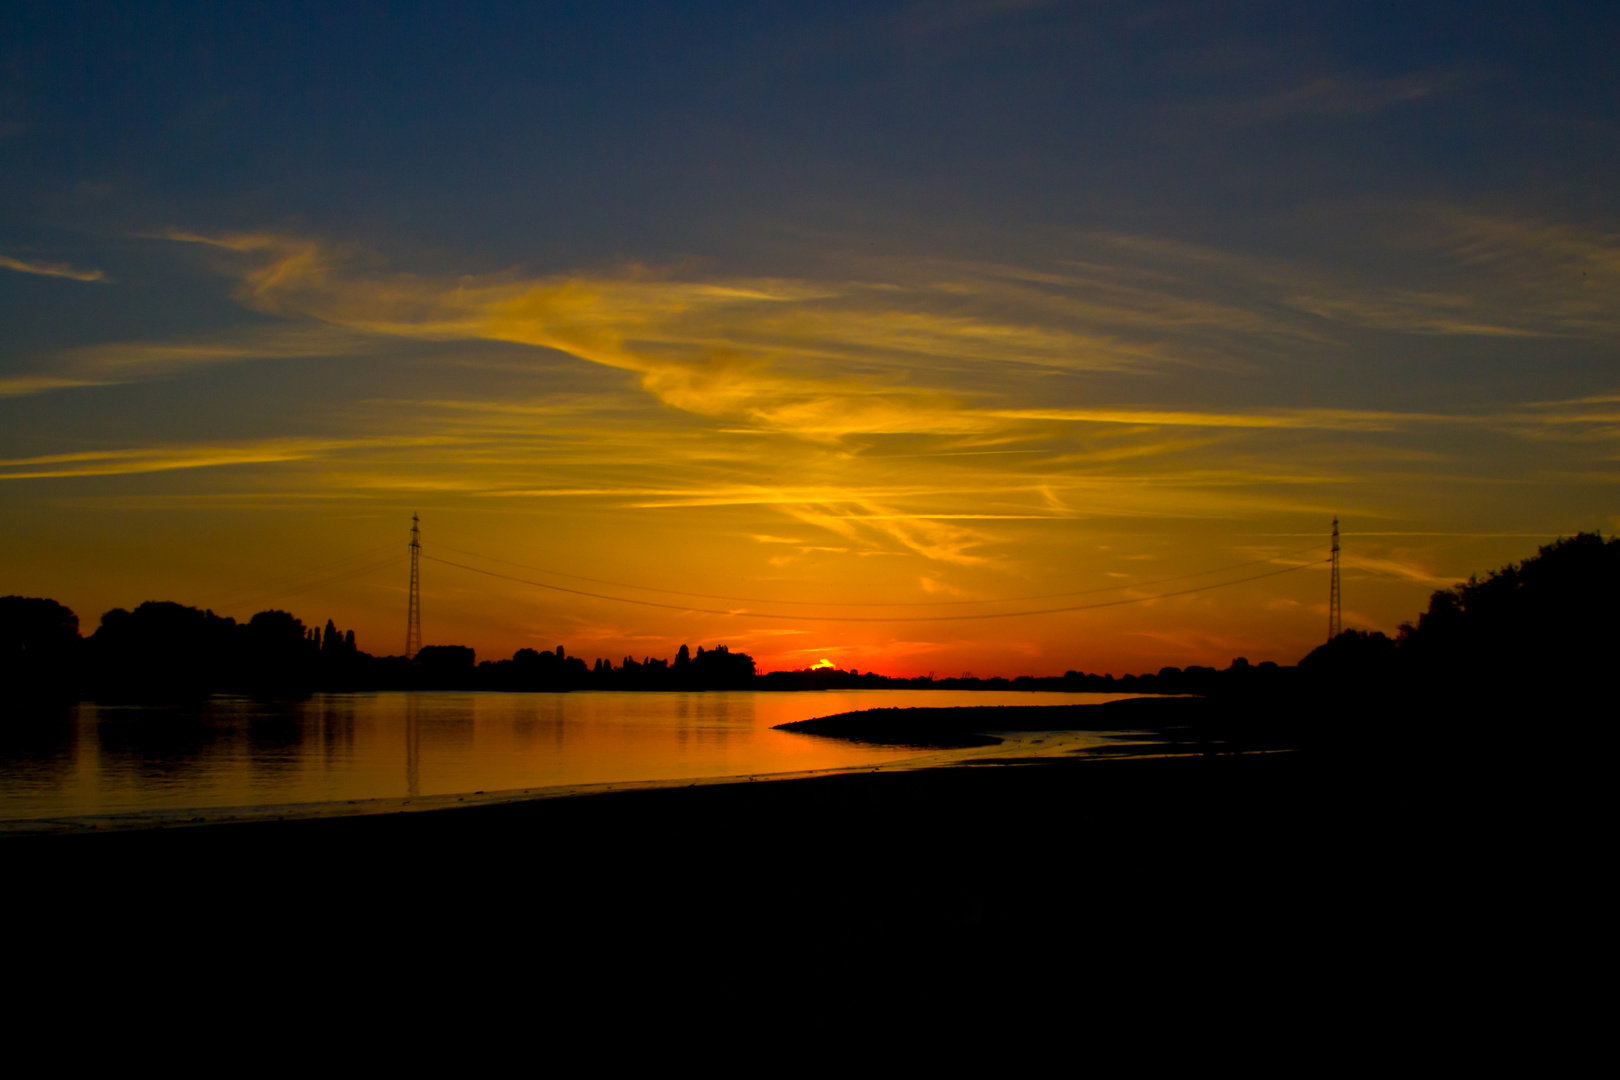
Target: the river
(93, 759)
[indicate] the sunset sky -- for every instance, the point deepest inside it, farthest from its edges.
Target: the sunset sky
(814, 328)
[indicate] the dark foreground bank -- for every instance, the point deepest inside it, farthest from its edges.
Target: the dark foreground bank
(1125, 852)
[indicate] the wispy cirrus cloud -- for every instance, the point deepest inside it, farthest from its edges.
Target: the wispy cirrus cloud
(113, 363)
(1298, 419)
(903, 407)
(922, 347)
(1343, 95)
(47, 269)
(23, 385)
(1466, 274)
(147, 459)
(167, 457)
(872, 525)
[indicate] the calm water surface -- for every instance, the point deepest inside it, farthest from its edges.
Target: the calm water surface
(93, 759)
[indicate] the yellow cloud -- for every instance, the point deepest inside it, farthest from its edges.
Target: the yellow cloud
(815, 359)
(163, 458)
(133, 361)
(43, 269)
(1318, 419)
(927, 348)
(872, 526)
(22, 385)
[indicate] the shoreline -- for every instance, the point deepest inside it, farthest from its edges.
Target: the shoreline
(1025, 745)
(1150, 846)
(1064, 839)
(963, 726)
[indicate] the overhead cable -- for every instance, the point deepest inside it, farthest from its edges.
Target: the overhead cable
(890, 604)
(870, 618)
(330, 579)
(271, 587)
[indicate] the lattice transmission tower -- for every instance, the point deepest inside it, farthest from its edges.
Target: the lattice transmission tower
(413, 621)
(1335, 598)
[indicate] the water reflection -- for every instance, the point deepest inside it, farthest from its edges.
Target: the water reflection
(336, 716)
(39, 749)
(413, 746)
(162, 745)
(233, 751)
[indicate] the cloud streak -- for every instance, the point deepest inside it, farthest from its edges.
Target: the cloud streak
(1328, 96)
(169, 457)
(163, 458)
(933, 347)
(116, 363)
(925, 409)
(45, 269)
(1296, 419)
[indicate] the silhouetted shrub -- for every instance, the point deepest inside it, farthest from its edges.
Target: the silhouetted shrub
(39, 647)
(278, 655)
(720, 669)
(160, 650)
(445, 667)
(1356, 659)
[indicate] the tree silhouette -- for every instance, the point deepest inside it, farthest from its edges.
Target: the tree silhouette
(39, 646)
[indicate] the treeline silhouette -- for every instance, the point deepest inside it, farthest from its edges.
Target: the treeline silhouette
(163, 651)
(167, 651)
(1546, 622)
(1545, 626)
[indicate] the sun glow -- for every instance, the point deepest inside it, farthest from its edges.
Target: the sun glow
(899, 432)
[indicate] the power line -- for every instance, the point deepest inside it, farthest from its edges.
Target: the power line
(331, 579)
(876, 619)
(895, 603)
(274, 586)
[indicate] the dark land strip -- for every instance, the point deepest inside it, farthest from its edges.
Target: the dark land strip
(1183, 886)
(968, 725)
(1147, 847)
(1146, 725)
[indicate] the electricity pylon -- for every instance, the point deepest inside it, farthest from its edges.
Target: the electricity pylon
(413, 623)
(1335, 598)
